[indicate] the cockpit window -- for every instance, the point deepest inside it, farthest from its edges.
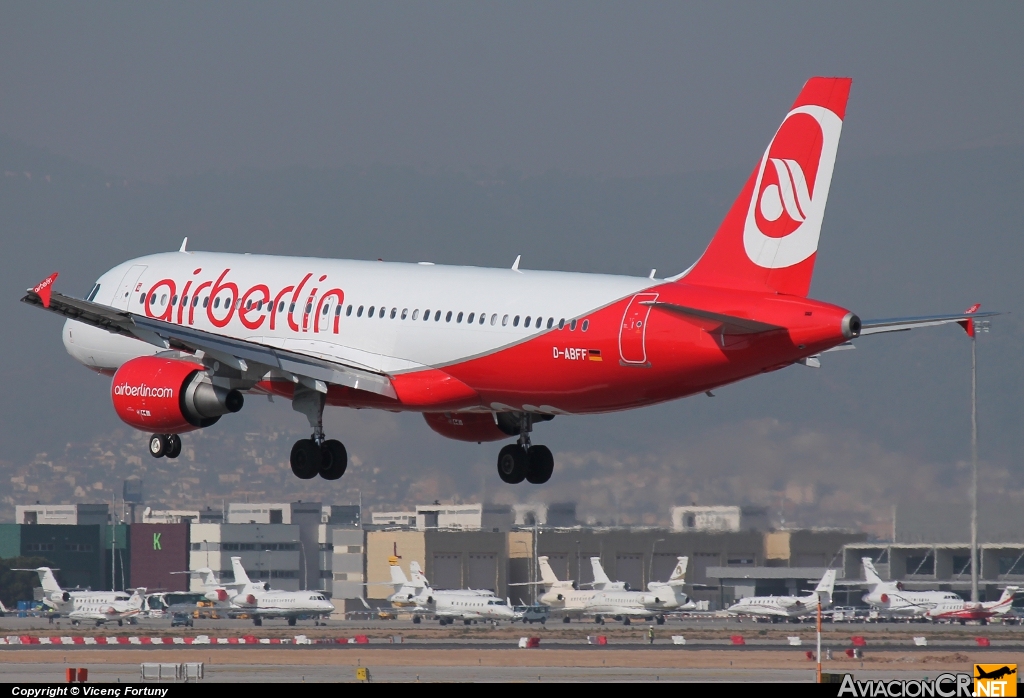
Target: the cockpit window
(93, 292)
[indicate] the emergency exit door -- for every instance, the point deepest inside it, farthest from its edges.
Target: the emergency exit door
(632, 334)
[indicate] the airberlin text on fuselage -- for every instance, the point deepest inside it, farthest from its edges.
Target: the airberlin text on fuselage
(252, 308)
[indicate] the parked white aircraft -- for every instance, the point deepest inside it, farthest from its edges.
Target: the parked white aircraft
(448, 605)
(258, 602)
(670, 593)
(788, 606)
(562, 597)
(614, 599)
(66, 602)
(962, 611)
(94, 607)
(890, 599)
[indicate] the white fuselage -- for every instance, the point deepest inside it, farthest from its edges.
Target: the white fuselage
(778, 606)
(283, 603)
(623, 603)
(471, 606)
(892, 601)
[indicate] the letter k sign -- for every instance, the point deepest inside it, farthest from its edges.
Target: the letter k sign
(156, 542)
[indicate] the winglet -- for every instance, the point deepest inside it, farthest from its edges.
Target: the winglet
(43, 288)
(515, 264)
(968, 325)
(184, 243)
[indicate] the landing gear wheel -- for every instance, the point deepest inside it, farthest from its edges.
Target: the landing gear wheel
(257, 621)
(466, 621)
(173, 446)
(566, 619)
(660, 620)
(416, 620)
(158, 445)
(512, 464)
(334, 460)
(306, 459)
(625, 621)
(597, 619)
(541, 465)
(291, 620)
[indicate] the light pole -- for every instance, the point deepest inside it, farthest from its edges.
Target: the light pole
(973, 328)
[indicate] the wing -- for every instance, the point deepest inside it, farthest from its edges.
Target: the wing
(901, 324)
(244, 355)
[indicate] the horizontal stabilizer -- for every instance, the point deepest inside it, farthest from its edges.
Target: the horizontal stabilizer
(901, 324)
(716, 322)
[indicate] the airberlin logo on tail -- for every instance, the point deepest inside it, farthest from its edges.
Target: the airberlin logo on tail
(124, 389)
(788, 202)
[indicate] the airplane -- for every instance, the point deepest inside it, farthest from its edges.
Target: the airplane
(96, 607)
(670, 594)
(483, 354)
(562, 597)
(891, 600)
(616, 600)
(257, 601)
(447, 605)
(792, 607)
(66, 602)
(994, 674)
(963, 611)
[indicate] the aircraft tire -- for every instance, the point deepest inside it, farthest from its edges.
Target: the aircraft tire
(173, 446)
(291, 620)
(416, 620)
(540, 466)
(660, 620)
(158, 445)
(626, 621)
(467, 621)
(305, 459)
(334, 460)
(566, 619)
(257, 621)
(513, 464)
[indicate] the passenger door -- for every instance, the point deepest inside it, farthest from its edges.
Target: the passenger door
(632, 333)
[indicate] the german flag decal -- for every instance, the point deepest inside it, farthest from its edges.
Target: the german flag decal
(594, 354)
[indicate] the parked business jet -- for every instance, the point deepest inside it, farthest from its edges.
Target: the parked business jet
(562, 597)
(788, 606)
(670, 594)
(891, 600)
(616, 600)
(447, 605)
(484, 354)
(257, 601)
(97, 608)
(962, 611)
(66, 602)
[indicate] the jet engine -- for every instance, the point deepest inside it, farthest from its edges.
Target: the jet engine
(465, 426)
(169, 396)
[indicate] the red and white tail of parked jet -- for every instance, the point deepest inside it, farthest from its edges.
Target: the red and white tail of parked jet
(484, 354)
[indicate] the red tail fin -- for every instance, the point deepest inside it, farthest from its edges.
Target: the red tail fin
(769, 238)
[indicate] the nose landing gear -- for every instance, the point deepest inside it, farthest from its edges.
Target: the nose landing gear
(523, 461)
(316, 455)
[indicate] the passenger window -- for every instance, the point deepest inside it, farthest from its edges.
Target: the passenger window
(526, 322)
(174, 300)
(152, 299)
(382, 311)
(416, 314)
(371, 311)
(572, 325)
(448, 317)
(142, 298)
(216, 302)
(551, 322)
(405, 313)
(309, 308)
(394, 313)
(248, 305)
(348, 310)
(195, 301)
(291, 308)
(206, 302)
(494, 319)
(539, 321)
(586, 324)
(437, 315)
(337, 311)
(327, 307)
(483, 317)
(359, 313)
(515, 321)
(504, 320)
(469, 320)
(163, 299)
(561, 324)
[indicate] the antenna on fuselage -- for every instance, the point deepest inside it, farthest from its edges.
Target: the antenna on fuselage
(515, 264)
(184, 244)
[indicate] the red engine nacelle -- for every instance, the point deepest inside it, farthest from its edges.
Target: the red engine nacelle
(169, 396)
(465, 427)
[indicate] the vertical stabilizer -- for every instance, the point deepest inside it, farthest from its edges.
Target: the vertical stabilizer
(825, 587)
(240, 575)
(398, 577)
(870, 573)
(678, 577)
(547, 575)
(769, 238)
(416, 572)
(601, 580)
(46, 579)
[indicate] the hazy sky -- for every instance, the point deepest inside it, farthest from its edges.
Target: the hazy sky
(925, 215)
(156, 89)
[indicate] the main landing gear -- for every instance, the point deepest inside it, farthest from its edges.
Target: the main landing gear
(316, 455)
(523, 461)
(161, 445)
